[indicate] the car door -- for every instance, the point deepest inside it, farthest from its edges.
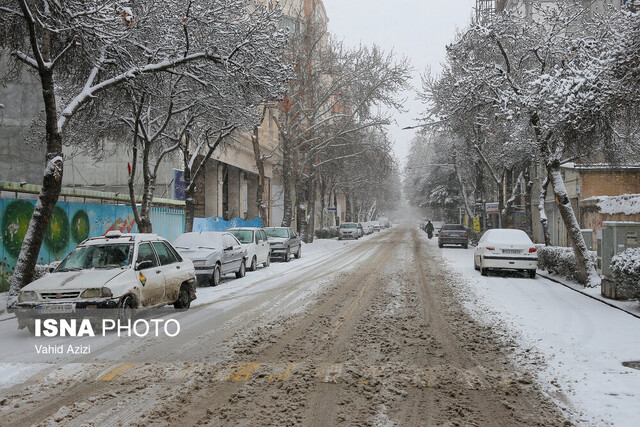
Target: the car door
(151, 278)
(173, 276)
(231, 254)
(294, 241)
(263, 246)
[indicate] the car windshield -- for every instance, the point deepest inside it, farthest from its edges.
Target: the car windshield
(245, 236)
(198, 240)
(452, 227)
(97, 256)
(507, 236)
(276, 232)
(348, 225)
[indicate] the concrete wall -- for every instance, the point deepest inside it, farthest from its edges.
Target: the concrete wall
(20, 161)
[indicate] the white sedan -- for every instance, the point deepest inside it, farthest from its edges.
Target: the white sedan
(254, 240)
(506, 249)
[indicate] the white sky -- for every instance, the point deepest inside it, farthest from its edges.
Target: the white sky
(417, 29)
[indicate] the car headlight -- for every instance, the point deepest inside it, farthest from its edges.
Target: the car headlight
(25, 296)
(201, 263)
(96, 293)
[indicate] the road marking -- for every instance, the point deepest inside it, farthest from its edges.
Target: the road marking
(118, 370)
(283, 376)
(242, 373)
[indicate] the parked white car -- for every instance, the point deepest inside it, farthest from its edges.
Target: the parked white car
(117, 271)
(368, 227)
(506, 249)
(348, 230)
(214, 254)
(254, 241)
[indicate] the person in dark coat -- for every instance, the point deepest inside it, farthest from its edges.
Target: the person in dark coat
(429, 229)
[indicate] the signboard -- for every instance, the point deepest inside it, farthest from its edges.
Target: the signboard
(476, 224)
(332, 209)
(632, 238)
(177, 185)
(492, 208)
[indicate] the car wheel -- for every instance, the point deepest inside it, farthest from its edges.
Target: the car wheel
(339, 238)
(287, 257)
(268, 261)
(184, 298)
(484, 271)
(215, 276)
(475, 264)
(254, 264)
(532, 274)
(440, 245)
(125, 313)
(299, 253)
(242, 270)
(466, 246)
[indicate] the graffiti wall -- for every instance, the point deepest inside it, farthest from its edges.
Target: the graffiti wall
(70, 224)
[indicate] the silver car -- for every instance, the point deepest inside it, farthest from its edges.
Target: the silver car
(348, 230)
(214, 254)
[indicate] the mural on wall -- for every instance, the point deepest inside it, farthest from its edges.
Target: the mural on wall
(70, 224)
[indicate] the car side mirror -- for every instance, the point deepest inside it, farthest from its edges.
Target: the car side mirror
(53, 266)
(228, 248)
(144, 264)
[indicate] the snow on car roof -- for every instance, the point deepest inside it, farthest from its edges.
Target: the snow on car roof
(199, 238)
(507, 235)
(122, 238)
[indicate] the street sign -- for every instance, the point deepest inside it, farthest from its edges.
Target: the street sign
(331, 209)
(476, 224)
(492, 208)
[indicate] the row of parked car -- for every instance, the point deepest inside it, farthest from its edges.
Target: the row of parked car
(134, 271)
(356, 230)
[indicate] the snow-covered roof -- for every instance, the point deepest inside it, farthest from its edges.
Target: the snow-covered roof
(600, 166)
(628, 204)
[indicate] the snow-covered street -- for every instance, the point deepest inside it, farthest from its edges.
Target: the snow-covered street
(384, 330)
(581, 342)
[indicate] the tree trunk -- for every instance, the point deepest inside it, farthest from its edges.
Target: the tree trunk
(257, 155)
(189, 189)
(51, 187)
(527, 201)
(311, 212)
(287, 181)
(301, 209)
(335, 205)
(587, 274)
(543, 213)
(347, 215)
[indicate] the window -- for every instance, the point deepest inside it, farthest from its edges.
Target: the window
(174, 252)
(292, 233)
(166, 257)
(146, 253)
(264, 235)
(229, 240)
(97, 256)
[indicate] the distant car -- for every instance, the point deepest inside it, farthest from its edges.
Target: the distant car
(502, 248)
(348, 230)
(284, 242)
(385, 222)
(367, 227)
(360, 229)
(254, 241)
(116, 271)
(214, 254)
(377, 226)
(437, 225)
(453, 234)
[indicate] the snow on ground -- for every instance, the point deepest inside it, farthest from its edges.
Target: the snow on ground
(583, 341)
(319, 260)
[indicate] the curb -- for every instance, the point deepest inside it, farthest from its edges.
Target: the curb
(587, 295)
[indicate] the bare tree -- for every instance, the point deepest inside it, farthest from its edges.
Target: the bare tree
(81, 49)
